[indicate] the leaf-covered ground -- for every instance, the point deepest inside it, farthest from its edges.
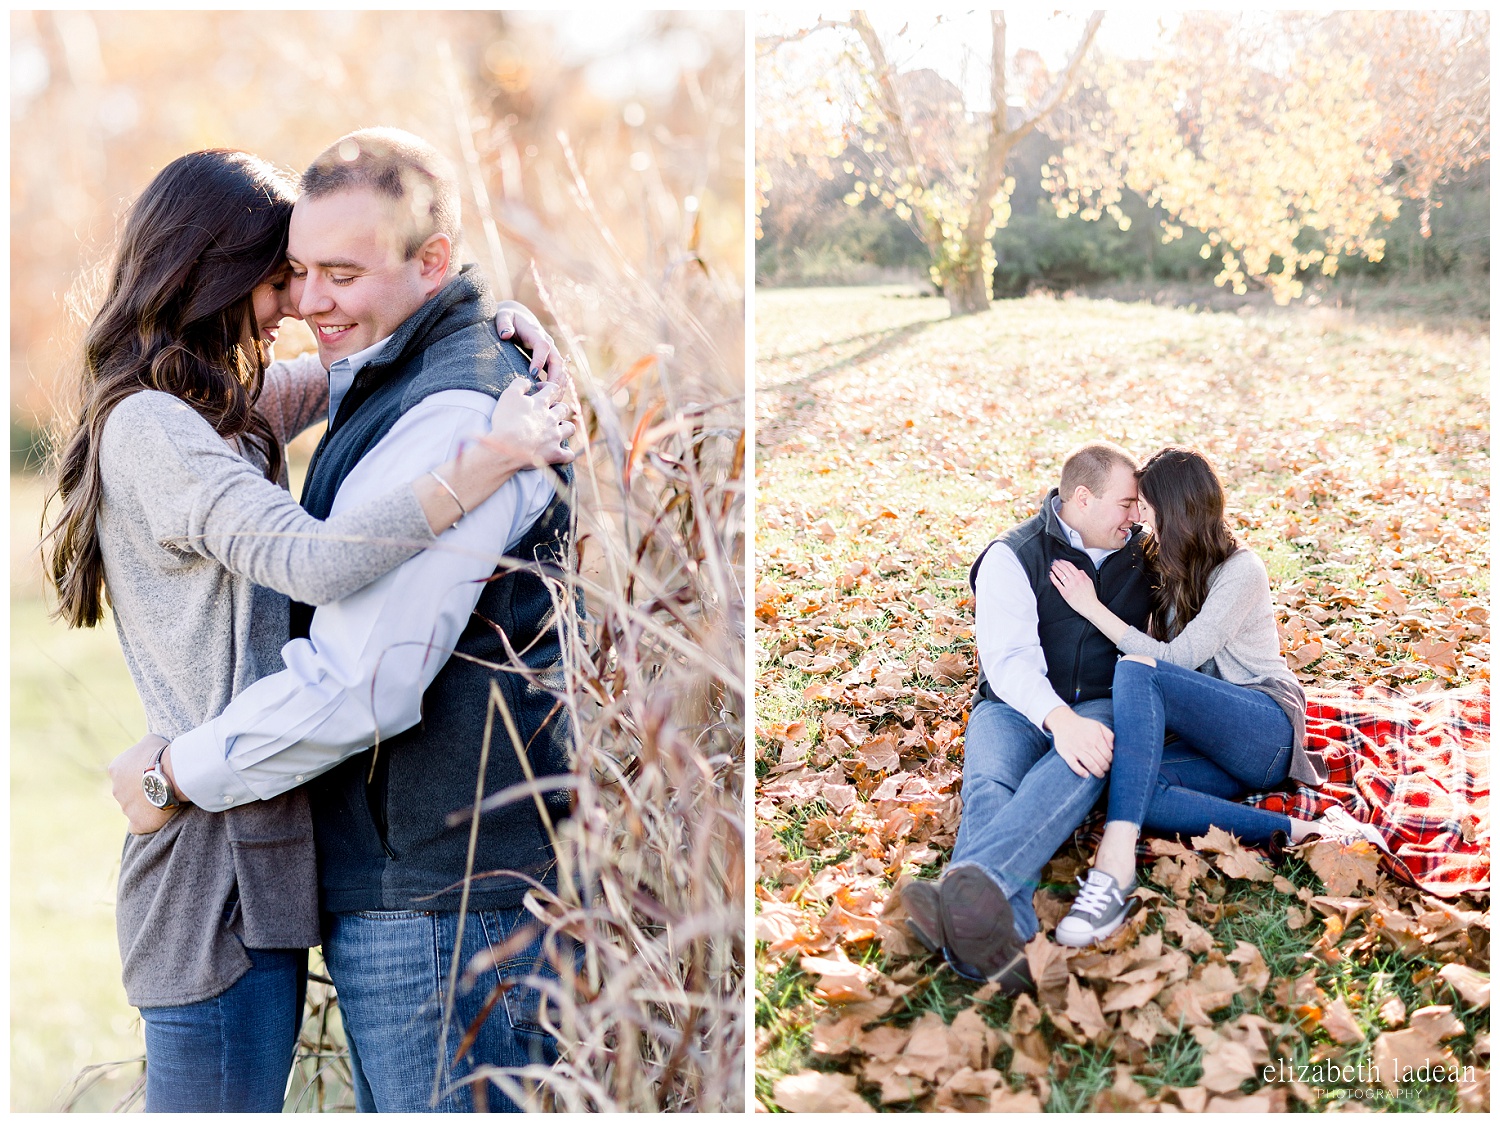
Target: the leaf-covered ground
(892, 444)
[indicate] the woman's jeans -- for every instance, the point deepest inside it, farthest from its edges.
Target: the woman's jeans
(1232, 740)
(232, 1052)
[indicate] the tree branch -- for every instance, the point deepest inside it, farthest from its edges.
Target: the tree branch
(890, 108)
(1064, 80)
(765, 44)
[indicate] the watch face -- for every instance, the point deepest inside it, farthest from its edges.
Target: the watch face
(157, 791)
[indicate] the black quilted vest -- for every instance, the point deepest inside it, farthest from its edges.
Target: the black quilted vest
(1080, 658)
(381, 817)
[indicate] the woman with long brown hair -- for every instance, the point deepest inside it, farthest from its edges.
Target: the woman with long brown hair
(1211, 672)
(175, 510)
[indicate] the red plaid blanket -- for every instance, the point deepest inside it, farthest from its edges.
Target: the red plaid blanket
(1417, 767)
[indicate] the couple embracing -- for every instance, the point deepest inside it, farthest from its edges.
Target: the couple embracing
(1120, 613)
(317, 678)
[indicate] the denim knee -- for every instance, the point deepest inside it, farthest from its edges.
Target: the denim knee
(1133, 672)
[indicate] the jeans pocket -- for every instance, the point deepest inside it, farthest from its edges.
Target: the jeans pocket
(1277, 771)
(525, 1002)
(520, 968)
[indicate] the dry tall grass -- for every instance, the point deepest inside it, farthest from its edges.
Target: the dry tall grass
(651, 861)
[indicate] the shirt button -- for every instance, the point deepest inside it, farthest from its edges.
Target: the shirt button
(300, 779)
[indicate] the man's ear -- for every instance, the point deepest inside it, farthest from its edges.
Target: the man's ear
(1082, 496)
(432, 259)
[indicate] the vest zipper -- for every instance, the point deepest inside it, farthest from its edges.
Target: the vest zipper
(1082, 636)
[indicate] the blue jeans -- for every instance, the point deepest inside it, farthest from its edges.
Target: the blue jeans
(232, 1052)
(1021, 800)
(1232, 740)
(390, 968)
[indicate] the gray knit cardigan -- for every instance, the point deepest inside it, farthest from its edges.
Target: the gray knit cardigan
(201, 553)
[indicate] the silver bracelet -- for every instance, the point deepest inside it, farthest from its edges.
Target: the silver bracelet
(449, 489)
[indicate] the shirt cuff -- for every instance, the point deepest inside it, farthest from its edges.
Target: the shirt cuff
(1038, 708)
(201, 772)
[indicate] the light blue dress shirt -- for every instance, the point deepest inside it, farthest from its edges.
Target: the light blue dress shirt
(361, 672)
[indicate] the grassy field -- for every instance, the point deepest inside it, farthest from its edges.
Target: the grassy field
(892, 443)
(72, 708)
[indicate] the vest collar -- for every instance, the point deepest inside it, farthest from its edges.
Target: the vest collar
(461, 303)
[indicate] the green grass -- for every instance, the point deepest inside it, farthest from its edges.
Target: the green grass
(871, 401)
(73, 708)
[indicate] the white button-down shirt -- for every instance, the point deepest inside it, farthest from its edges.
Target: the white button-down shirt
(368, 659)
(1005, 628)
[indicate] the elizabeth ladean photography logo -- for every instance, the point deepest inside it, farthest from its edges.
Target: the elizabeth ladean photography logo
(1324, 1073)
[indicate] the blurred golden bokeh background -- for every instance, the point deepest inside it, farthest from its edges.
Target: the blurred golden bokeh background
(607, 150)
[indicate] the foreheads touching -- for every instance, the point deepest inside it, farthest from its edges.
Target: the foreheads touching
(1098, 493)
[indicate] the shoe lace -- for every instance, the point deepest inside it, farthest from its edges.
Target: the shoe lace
(1093, 897)
(1344, 827)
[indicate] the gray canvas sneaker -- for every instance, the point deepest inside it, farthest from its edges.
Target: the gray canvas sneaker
(1101, 907)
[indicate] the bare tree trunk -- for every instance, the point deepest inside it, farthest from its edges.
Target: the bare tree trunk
(971, 283)
(970, 286)
(966, 289)
(965, 279)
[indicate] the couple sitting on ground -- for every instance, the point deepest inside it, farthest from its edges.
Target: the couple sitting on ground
(1124, 610)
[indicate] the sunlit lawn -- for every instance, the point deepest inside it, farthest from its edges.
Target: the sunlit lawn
(894, 442)
(73, 707)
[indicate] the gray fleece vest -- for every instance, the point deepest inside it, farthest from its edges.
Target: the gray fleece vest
(381, 818)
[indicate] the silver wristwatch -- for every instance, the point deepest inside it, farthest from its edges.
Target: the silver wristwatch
(157, 787)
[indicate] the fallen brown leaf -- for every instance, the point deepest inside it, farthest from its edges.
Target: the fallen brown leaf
(1340, 1024)
(1083, 1008)
(1254, 975)
(1343, 869)
(835, 1039)
(1226, 1065)
(949, 668)
(1030, 1056)
(1193, 937)
(1214, 985)
(1399, 1055)
(1472, 986)
(818, 1091)
(1393, 1012)
(1123, 1095)
(1049, 970)
(967, 1090)
(1004, 1100)
(1024, 1015)
(839, 980)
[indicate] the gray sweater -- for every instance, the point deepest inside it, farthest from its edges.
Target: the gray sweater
(201, 553)
(1234, 638)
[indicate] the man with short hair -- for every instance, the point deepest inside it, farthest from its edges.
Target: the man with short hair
(1039, 739)
(384, 705)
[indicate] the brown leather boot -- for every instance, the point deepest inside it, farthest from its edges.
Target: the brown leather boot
(977, 923)
(924, 913)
